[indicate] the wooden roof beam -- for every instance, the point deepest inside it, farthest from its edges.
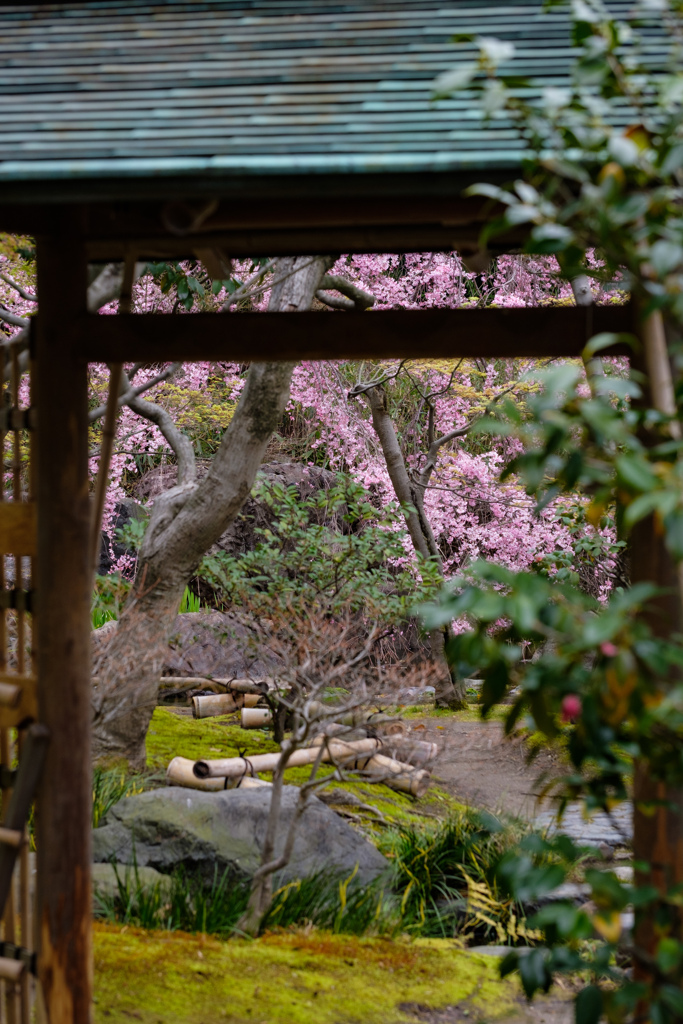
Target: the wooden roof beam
(553, 331)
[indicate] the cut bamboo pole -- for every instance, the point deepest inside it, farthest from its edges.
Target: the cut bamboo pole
(179, 773)
(256, 718)
(222, 704)
(11, 970)
(232, 767)
(225, 685)
(11, 837)
(397, 775)
(247, 782)
(419, 753)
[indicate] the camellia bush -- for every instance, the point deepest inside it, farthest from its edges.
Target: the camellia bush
(610, 676)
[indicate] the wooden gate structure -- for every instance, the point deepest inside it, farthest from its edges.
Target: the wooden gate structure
(136, 130)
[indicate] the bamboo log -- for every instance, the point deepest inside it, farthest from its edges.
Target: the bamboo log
(231, 767)
(392, 729)
(179, 773)
(223, 685)
(168, 685)
(255, 718)
(247, 782)
(222, 704)
(11, 837)
(419, 753)
(397, 775)
(11, 970)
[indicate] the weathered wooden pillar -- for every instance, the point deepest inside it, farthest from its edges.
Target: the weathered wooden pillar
(658, 808)
(64, 806)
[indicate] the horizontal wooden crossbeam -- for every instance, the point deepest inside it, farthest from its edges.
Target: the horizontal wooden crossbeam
(553, 331)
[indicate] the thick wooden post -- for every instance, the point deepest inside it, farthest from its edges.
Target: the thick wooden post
(64, 807)
(658, 808)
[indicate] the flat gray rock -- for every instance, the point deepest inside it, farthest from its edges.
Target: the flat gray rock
(615, 830)
(165, 828)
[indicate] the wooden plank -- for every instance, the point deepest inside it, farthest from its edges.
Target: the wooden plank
(17, 528)
(64, 809)
(426, 334)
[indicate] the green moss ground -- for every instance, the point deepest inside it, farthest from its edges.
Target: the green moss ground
(172, 735)
(287, 978)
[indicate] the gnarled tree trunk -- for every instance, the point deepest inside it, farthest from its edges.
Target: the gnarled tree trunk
(185, 522)
(450, 692)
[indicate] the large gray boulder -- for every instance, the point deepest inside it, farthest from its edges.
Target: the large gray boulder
(165, 828)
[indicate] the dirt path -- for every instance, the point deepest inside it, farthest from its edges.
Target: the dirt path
(479, 766)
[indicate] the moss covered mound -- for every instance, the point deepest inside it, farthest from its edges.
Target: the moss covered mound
(288, 978)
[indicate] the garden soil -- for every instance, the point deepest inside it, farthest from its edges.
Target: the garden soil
(479, 766)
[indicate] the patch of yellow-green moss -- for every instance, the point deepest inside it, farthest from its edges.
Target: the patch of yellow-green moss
(172, 735)
(305, 977)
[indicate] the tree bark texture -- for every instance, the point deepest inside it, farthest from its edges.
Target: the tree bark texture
(658, 807)
(449, 692)
(62, 634)
(185, 522)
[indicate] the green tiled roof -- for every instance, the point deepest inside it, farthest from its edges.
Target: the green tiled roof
(219, 88)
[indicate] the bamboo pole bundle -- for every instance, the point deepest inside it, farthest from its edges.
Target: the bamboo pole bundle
(222, 704)
(255, 718)
(234, 767)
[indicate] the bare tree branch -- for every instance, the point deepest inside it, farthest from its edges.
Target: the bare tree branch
(357, 298)
(13, 319)
(29, 296)
(178, 442)
(107, 286)
(361, 389)
(243, 292)
(126, 397)
(336, 301)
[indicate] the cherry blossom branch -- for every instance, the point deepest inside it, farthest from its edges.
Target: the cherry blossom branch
(437, 443)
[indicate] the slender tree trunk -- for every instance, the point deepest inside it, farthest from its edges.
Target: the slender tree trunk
(450, 692)
(185, 522)
(657, 806)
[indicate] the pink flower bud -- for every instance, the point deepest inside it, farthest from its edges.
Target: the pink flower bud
(609, 650)
(571, 707)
